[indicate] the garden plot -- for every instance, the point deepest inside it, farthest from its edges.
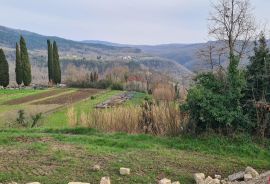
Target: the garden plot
(45, 102)
(69, 98)
(34, 97)
(116, 100)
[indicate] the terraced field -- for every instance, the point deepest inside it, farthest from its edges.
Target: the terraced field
(34, 97)
(38, 101)
(69, 98)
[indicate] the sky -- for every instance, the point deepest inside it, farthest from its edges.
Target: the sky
(119, 21)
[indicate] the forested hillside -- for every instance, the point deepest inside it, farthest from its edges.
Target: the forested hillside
(96, 55)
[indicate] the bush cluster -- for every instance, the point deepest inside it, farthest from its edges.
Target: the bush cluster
(233, 100)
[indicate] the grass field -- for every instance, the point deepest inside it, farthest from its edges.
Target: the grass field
(56, 154)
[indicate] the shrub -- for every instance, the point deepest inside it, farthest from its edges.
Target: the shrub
(214, 102)
(21, 120)
(117, 86)
(35, 119)
(101, 84)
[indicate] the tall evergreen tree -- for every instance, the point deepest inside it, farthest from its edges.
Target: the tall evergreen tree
(257, 95)
(4, 73)
(56, 65)
(50, 61)
(95, 76)
(91, 77)
(18, 69)
(26, 67)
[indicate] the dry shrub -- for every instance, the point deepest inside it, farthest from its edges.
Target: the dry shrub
(72, 117)
(164, 92)
(75, 74)
(162, 119)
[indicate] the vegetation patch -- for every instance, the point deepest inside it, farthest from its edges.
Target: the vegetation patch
(46, 155)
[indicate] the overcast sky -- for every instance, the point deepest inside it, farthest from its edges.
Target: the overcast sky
(121, 21)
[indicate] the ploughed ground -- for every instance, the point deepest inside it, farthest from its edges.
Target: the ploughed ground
(69, 98)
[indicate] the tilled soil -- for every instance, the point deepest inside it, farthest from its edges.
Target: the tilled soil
(34, 97)
(69, 98)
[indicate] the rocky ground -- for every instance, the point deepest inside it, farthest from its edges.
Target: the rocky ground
(249, 176)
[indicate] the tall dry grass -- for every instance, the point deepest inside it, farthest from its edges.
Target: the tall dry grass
(161, 119)
(165, 92)
(119, 119)
(72, 117)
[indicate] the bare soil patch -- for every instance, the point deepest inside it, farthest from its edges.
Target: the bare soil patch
(25, 139)
(34, 97)
(69, 98)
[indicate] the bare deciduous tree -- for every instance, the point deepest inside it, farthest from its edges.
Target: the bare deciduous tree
(232, 22)
(212, 54)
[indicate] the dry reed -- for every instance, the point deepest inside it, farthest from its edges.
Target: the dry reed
(166, 117)
(72, 117)
(164, 92)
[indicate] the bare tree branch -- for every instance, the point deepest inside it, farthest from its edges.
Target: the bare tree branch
(233, 23)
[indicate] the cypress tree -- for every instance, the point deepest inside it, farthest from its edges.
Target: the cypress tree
(95, 76)
(18, 69)
(56, 65)
(26, 67)
(4, 73)
(91, 77)
(50, 61)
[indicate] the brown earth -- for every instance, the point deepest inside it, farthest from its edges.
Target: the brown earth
(34, 97)
(69, 98)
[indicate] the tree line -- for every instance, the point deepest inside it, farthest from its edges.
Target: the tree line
(23, 66)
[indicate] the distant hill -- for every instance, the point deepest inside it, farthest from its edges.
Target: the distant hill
(93, 54)
(9, 37)
(183, 54)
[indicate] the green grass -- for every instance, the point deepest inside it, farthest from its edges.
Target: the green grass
(137, 99)
(7, 94)
(73, 152)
